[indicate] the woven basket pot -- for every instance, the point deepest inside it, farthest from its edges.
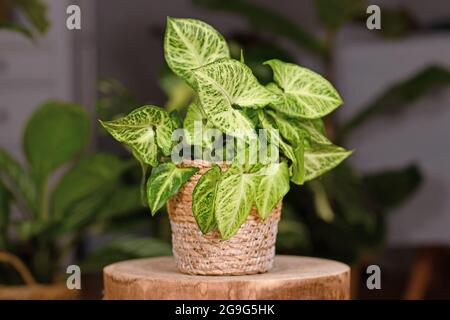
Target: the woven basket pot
(251, 250)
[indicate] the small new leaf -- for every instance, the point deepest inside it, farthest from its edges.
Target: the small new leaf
(203, 199)
(164, 182)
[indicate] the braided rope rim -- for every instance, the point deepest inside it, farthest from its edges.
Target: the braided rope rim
(251, 250)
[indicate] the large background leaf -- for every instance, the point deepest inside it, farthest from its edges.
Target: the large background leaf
(19, 181)
(335, 13)
(115, 100)
(390, 188)
(124, 200)
(401, 95)
(34, 17)
(84, 179)
(55, 134)
(266, 20)
(36, 13)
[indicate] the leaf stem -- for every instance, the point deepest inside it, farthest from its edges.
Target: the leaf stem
(45, 200)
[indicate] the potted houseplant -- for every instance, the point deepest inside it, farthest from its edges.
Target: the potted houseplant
(234, 154)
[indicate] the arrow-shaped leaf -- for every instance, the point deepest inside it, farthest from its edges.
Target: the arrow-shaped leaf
(304, 93)
(203, 199)
(235, 196)
(196, 135)
(273, 186)
(322, 158)
(144, 130)
(294, 129)
(227, 83)
(164, 182)
(190, 44)
(293, 153)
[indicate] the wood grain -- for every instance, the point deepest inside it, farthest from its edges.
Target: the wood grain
(291, 278)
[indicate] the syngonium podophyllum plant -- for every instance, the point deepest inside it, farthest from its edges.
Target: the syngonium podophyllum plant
(231, 101)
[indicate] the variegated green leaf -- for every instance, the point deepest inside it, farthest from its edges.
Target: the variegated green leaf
(144, 130)
(287, 150)
(176, 118)
(164, 182)
(227, 83)
(273, 186)
(196, 135)
(315, 129)
(293, 153)
(234, 199)
(289, 128)
(296, 170)
(190, 44)
(322, 158)
(270, 127)
(298, 165)
(294, 129)
(304, 93)
(203, 199)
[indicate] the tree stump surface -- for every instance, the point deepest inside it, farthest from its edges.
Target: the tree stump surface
(292, 277)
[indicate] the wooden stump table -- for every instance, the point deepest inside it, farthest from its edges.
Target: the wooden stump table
(291, 278)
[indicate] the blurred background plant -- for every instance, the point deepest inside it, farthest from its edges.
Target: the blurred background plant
(64, 193)
(29, 17)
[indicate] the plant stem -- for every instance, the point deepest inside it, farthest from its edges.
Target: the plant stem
(44, 200)
(144, 169)
(43, 262)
